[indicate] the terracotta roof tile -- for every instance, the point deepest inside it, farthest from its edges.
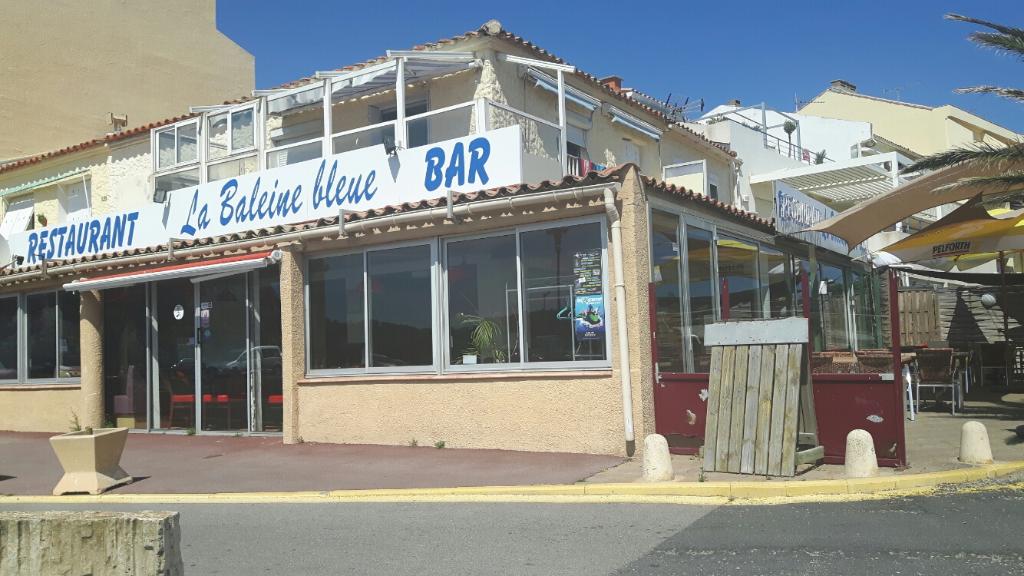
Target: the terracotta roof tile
(726, 210)
(109, 138)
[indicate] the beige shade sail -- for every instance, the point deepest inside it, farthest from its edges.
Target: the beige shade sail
(870, 217)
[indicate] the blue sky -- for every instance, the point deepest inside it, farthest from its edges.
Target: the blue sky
(771, 51)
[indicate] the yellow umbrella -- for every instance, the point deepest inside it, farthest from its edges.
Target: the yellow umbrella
(970, 230)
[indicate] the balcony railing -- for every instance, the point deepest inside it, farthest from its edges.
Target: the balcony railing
(541, 141)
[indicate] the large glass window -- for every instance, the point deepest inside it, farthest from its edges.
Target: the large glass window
(375, 310)
(563, 300)
(738, 279)
(337, 323)
(832, 302)
(9, 338)
(701, 287)
(41, 318)
(40, 330)
(668, 289)
(124, 355)
(867, 321)
(777, 279)
(483, 301)
(69, 365)
(372, 310)
(399, 296)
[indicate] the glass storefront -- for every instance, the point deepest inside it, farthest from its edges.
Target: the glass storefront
(724, 276)
(125, 334)
(526, 296)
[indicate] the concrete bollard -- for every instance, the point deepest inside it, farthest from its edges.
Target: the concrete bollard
(860, 455)
(974, 446)
(657, 460)
(95, 543)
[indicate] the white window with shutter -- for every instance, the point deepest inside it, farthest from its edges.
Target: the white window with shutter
(18, 217)
(74, 201)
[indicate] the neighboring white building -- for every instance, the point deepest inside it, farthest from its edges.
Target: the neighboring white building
(828, 164)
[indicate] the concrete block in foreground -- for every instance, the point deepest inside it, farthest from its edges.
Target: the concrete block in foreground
(94, 543)
(657, 460)
(861, 461)
(974, 444)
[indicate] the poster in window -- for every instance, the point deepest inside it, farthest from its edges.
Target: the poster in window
(587, 269)
(588, 317)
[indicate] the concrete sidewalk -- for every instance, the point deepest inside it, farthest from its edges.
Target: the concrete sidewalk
(933, 444)
(177, 464)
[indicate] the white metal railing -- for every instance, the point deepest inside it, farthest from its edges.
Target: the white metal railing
(364, 137)
(295, 152)
(540, 137)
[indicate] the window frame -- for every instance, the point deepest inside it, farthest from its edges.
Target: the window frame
(233, 154)
(715, 228)
(178, 165)
(440, 306)
(524, 364)
(19, 348)
(367, 320)
(325, 139)
(23, 378)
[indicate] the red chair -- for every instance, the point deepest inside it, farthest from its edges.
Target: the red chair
(185, 400)
(222, 400)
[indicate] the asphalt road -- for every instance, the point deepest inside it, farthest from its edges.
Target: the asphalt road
(969, 533)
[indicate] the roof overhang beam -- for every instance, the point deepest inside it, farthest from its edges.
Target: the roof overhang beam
(538, 63)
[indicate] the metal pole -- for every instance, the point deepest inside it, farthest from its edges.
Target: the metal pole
(1007, 348)
(897, 366)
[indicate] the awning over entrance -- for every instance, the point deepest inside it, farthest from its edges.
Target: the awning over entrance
(200, 270)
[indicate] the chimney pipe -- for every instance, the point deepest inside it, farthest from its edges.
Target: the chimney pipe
(841, 84)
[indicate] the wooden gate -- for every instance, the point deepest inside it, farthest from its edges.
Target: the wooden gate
(919, 317)
(759, 398)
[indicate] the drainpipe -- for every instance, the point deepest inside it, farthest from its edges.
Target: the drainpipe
(620, 320)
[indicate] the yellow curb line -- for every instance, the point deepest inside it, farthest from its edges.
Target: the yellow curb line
(710, 493)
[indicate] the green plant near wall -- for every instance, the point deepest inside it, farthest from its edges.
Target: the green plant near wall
(486, 340)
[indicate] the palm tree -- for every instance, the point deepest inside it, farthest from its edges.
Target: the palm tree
(1006, 162)
(789, 126)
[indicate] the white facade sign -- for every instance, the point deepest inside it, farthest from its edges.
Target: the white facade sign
(796, 211)
(356, 181)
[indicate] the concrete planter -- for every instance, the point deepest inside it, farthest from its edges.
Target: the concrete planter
(91, 461)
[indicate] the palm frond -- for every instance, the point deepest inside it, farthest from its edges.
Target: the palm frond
(994, 26)
(1013, 45)
(1010, 93)
(981, 154)
(1005, 39)
(1001, 184)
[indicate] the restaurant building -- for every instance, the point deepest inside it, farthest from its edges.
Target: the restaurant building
(471, 241)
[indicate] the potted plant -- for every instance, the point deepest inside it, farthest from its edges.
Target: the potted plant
(486, 340)
(91, 460)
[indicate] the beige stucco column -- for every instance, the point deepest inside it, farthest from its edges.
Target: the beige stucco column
(636, 270)
(293, 340)
(91, 346)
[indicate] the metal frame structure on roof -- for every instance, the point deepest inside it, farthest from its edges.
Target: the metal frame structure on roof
(844, 182)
